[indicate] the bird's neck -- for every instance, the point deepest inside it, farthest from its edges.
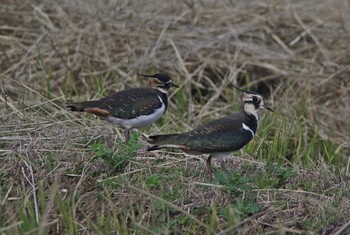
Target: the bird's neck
(162, 90)
(251, 121)
(250, 109)
(163, 95)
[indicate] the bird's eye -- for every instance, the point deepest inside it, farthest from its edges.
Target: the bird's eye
(255, 99)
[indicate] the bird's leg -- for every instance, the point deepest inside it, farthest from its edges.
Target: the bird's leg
(127, 135)
(223, 166)
(210, 173)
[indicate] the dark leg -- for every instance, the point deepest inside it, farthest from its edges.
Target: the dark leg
(127, 135)
(223, 166)
(210, 173)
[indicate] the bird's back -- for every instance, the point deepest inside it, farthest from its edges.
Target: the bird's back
(221, 135)
(125, 104)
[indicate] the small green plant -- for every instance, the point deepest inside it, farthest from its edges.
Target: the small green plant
(118, 159)
(240, 187)
(27, 216)
(181, 101)
(65, 207)
(240, 208)
(153, 181)
(280, 174)
(47, 73)
(234, 183)
(247, 206)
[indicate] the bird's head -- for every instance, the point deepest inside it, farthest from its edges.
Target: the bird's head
(160, 81)
(252, 103)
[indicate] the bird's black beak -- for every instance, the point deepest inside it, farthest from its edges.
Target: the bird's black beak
(145, 75)
(173, 85)
(268, 108)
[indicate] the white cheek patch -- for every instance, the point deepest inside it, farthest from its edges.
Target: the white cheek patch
(245, 127)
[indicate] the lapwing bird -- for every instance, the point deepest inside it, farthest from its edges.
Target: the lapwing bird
(220, 137)
(134, 107)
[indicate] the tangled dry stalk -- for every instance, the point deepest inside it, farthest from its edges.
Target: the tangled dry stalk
(294, 52)
(282, 45)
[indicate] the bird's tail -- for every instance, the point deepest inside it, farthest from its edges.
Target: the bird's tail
(80, 107)
(164, 141)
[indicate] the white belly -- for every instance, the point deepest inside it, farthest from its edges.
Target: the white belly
(221, 155)
(140, 121)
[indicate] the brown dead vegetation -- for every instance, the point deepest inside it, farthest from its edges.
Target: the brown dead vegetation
(294, 52)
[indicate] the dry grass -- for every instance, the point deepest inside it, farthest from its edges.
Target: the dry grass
(296, 53)
(279, 45)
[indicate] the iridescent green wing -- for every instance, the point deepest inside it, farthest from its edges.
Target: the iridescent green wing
(132, 103)
(221, 135)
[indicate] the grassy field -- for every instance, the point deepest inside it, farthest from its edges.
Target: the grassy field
(68, 173)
